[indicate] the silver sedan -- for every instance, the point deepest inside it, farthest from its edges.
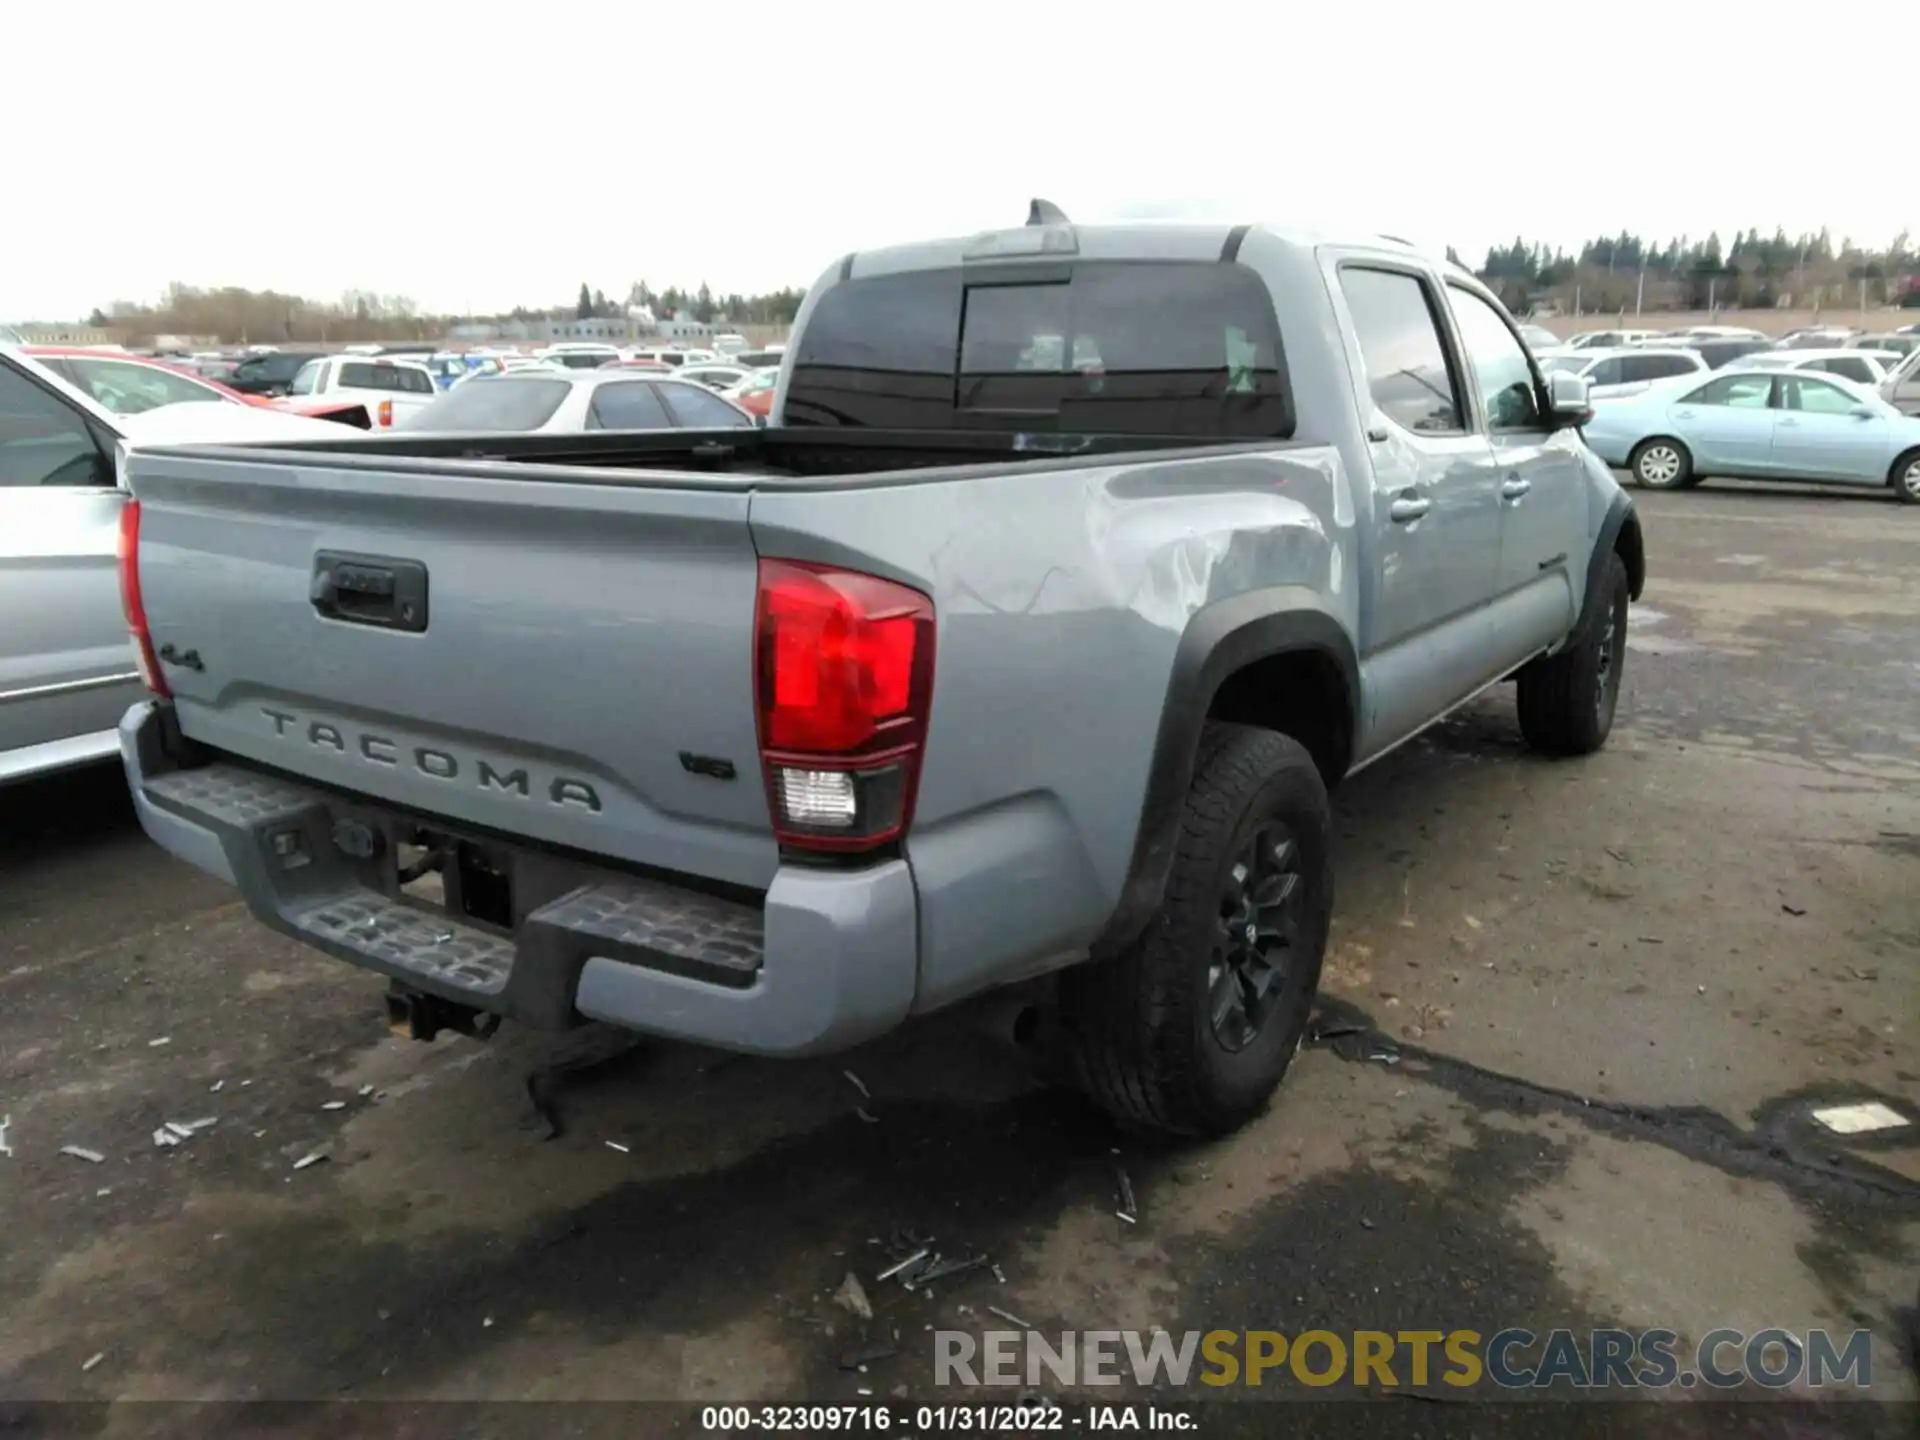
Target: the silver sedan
(570, 402)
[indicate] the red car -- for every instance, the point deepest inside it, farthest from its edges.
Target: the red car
(128, 384)
(755, 393)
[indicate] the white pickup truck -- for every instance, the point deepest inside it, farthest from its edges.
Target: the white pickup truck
(392, 390)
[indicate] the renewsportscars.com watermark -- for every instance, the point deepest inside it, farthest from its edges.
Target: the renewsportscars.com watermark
(1512, 1359)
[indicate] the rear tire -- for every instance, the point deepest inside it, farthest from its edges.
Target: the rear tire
(1189, 1030)
(1904, 478)
(1661, 463)
(1567, 701)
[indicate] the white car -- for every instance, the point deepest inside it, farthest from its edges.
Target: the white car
(572, 401)
(1628, 370)
(714, 377)
(1863, 367)
(1610, 339)
(578, 355)
(392, 390)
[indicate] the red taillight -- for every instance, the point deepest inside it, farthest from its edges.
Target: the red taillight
(386, 412)
(842, 679)
(130, 602)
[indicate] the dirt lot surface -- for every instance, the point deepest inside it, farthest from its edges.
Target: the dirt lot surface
(1588, 1007)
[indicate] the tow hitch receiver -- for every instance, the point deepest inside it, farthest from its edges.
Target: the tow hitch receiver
(414, 1015)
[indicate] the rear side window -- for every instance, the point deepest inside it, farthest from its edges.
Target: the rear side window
(1407, 369)
(630, 405)
(1100, 347)
(1610, 371)
(1656, 367)
(695, 408)
(1850, 368)
(43, 441)
(501, 406)
(397, 379)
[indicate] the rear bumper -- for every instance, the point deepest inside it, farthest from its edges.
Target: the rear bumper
(825, 960)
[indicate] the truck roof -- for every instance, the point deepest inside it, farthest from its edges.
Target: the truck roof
(1114, 240)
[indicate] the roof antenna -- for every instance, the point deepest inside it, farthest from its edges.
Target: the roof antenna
(1045, 212)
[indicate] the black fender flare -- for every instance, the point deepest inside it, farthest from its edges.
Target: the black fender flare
(1218, 641)
(1619, 531)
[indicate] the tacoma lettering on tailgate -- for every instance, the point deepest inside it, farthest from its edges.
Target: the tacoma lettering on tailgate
(432, 761)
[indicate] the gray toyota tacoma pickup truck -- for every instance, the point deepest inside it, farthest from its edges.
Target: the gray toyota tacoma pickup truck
(1020, 649)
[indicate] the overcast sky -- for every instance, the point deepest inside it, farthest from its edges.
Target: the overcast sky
(475, 156)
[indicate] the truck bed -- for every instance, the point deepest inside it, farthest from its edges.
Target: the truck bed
(730, 459)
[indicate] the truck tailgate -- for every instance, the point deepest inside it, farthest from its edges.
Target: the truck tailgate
(536, 657)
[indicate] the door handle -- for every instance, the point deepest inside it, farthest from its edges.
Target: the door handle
(1784, 421)
(1515, 487)
(1683, 414)
(1406, 508)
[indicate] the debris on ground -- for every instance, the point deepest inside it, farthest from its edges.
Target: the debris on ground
(1793, 910)
(852, 1296)
(163, 1040)
(1128, 1211)
(93, 1360)
(205, 1122)
(78, 1152)
(6, 1123)
(216, 1087)
(861, 1356)
(616, 1145)
(1008, 1316)
(1860, 1119)
(939, 1269)
(862, 1112)
(164, 1137)
(103, 1192)
(365, 1091)
(334, 1105)
(312, 1159)
(904, 1267)
(858, 1084)
(179, 1129)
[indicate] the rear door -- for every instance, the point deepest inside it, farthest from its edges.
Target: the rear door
(1543, 485)
(1436, 502)
(1822, 432)
(66, 669)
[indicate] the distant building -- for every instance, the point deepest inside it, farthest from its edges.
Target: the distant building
(33, 332)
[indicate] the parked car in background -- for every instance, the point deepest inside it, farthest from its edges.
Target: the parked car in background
(727, 344)
(1538, 337)
(270, 372)
(1894, 345)
(1862, 367)
(1719, 350)
(1715, 332)
(1746, 424)
(755, 393)
(1901, 389)
(391, 390)
(676, 357)
(1609, 339)
(769, 358)
(714, 377)
(67, 673)
(578, 400)
(1625, 371)
(1817, 337)
(578, 356)
(131, 384)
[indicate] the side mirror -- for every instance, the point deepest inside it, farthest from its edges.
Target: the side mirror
(1569, 401)
(1861, 412)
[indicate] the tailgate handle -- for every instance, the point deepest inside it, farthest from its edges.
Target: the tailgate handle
(370, 590)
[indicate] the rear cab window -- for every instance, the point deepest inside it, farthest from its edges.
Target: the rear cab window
(1164, 348)
(394, 379)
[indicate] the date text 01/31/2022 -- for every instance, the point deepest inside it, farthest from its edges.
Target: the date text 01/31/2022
(936, 1419)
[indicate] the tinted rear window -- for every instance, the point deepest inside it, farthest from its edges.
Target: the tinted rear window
(582, 359)
(399, 379)
(1143, 348)
(505, 404)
